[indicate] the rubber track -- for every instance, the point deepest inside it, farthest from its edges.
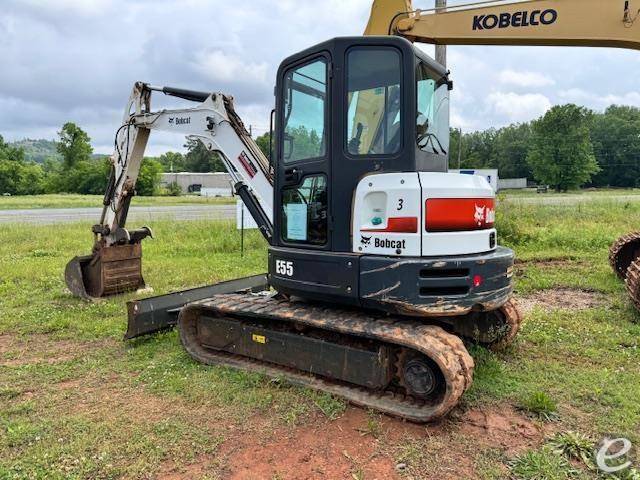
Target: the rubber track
(633, 282)
(617, 254)
(445, 349)
(513, 317)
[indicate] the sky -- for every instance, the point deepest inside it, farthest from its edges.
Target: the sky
(76, 60)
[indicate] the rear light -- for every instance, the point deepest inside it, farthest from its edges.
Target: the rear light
(459, 214)
(397, 225)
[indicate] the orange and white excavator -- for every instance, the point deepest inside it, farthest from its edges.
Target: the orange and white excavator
(379, 261)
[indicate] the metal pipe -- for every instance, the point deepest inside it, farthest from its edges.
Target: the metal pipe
(441, 50)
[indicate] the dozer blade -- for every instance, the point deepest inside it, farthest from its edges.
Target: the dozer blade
(158, 313)
(108, 271)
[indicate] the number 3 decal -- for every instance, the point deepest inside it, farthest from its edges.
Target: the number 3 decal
(400, 203)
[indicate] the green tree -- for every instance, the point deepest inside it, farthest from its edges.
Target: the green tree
(616, 143)
(18, 176)
(172, 162)
(477, 149)
(87, 177)
(74, 145)
(199, 159)
(263, 143)
(305, 143)
(149, 177)
(561, 153)
(509, 151)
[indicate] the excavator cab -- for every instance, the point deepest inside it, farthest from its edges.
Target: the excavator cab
(361, 151)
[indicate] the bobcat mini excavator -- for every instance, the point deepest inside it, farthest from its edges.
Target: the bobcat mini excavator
(379, 261)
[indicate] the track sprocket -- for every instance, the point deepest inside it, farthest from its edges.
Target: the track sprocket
(511, 318)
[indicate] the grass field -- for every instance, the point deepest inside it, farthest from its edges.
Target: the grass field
(77, 201)
(598, 192)
(77, 402)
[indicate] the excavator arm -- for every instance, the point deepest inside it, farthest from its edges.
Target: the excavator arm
(115, 263)
(585, 23)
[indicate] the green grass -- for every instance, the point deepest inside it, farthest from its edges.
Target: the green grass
(61, 200)
(542, 464)
(540, 405)
(77, 402)
(599, 192)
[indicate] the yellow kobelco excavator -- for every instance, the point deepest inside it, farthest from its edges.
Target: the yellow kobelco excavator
(379, 261)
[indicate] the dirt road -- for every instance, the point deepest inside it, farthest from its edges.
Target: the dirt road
(45, 216)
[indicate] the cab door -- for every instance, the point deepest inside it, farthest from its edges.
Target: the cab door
(302, 210)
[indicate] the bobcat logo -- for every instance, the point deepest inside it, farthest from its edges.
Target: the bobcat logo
(479, 215)
(484, 215)
(365, 240)
(170, 120)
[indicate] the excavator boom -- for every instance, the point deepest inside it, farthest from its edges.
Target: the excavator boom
(115, 264)
(583, 23)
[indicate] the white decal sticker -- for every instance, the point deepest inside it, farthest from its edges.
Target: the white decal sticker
(284, 267)
(296, 221)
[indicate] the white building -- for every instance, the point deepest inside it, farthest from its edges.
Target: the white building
(490, 175)
(216, 184)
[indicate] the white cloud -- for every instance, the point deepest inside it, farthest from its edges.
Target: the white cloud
(217, 65)
(77, 59)
(524, 79)
(518, 107)
(596, 101)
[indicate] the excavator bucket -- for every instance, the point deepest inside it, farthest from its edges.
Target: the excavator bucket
(108, 271)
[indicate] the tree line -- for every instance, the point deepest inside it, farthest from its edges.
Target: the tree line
(567, 148)
(75, 169)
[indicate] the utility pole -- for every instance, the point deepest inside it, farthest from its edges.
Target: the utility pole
(441, 50)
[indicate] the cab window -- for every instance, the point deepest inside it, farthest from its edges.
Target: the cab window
(374, 101)
(304, 112)
(432, 121)
(304, 211)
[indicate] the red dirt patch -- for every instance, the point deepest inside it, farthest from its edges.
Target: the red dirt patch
(562, 298)
(197, 469)
(504, 428)
(346, 448)
(326, 449)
